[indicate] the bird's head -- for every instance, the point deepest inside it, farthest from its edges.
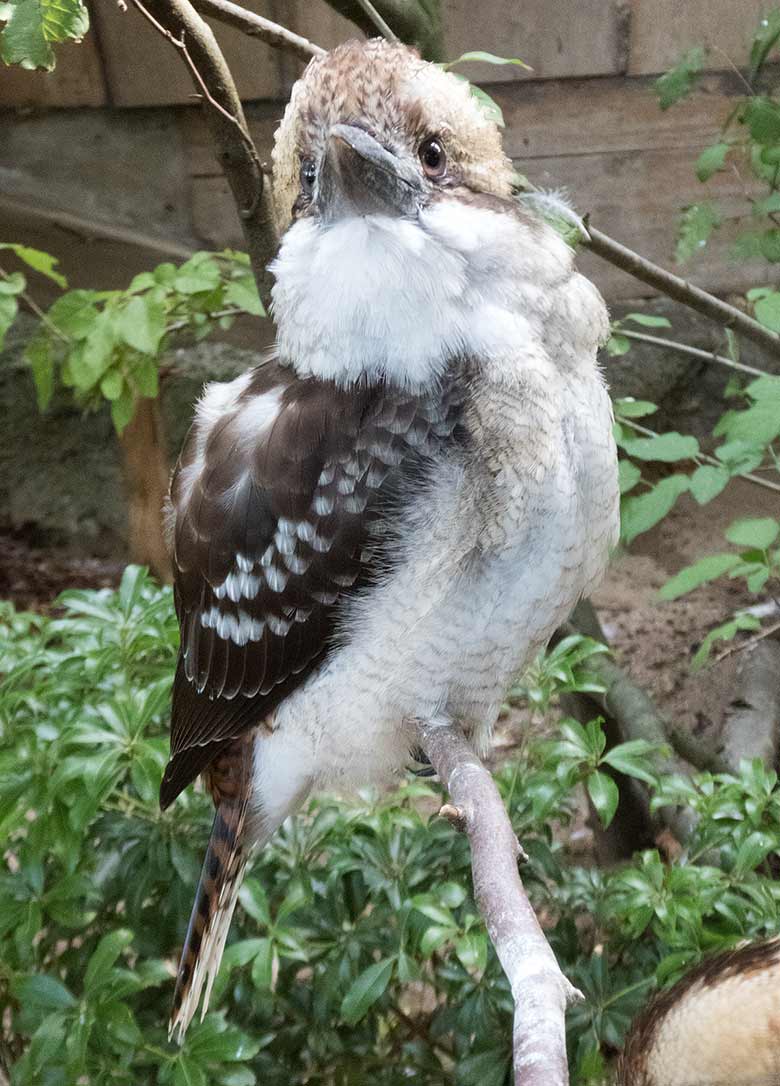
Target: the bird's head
(393, 200)
(371, 129)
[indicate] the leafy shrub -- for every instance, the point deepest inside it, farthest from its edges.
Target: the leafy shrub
(357, 953)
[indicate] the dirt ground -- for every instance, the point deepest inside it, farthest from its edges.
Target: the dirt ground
(655, 641)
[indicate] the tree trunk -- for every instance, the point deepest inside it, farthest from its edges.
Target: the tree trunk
(146, 470)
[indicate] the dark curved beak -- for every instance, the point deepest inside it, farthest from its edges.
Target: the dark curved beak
(361, 177)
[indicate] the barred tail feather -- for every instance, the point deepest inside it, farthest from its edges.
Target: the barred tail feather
(215, 899)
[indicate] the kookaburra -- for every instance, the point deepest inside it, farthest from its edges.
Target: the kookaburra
(387, 519)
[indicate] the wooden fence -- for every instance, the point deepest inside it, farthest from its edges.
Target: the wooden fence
(584, 119)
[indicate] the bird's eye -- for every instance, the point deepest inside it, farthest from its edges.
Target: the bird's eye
(433, 158)
(308, 175)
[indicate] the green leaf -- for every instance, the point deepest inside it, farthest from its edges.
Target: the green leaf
(764, 41)
(39, 261)
(647, 320)
(12, 284)
(366, 990)
(707, 482)
(632, 759)
(489, 106)
(112, 383)
(629, 408)
(696, 226)
(38, 354)
(618, 345)
(483, 1068)
(762, 116)
(198, 275)
(706, 569)
(604, 795)
(33, 25)
(678, 83)
(263, 965)
(9, 307)
(74, 313)
(43, 991)
(429, 907)
(434, 937)
(254, 900)
(641, 512)
(105, 954)
(123, 408)
(628, 476)
(767, 310)
(668, 447)
(753, 851)
(487, 58)
(471, 950)
(770, 245)
(142, 281)
(141, 324)
(726, 632)
(711, 160)
(758, 532)
(242, 293)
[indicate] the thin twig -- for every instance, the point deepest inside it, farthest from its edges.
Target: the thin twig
(255, 26)
(740, 646)
(694, 352)
(377, 20)
(541, 992)
(681, 290)
(181, 25)
(39, 313)
(179, 44)
(646, 432)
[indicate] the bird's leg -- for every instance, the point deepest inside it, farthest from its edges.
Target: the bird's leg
(541, 992)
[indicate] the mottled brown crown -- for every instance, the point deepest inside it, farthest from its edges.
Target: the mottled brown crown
(401, 100)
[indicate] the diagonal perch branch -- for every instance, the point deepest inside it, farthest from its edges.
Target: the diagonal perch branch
(541, 992)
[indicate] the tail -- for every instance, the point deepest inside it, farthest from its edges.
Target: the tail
(215, 899)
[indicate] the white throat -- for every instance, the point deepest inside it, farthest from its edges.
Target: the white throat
(384, 297)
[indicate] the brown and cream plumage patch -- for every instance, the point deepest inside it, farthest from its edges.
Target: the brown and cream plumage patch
(719, 1025)
(402, 99)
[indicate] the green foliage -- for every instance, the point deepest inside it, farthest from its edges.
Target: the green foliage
(33, 27)
(356, 953)
(749, 141)
(107, 345)
(678, 83)
(696, 226)
(488, 104)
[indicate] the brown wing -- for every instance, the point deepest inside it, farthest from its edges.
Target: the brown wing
(271, 504)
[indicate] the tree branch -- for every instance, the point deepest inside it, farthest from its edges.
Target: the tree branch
(416, 22)
(541, 992)
(181, 25)
(255, 26)
(681, 290)
(694, 352)
(379, 23)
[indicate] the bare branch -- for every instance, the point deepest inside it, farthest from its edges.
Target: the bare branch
(377, 20)
(258, 27)
(181, 25)
(694, 352)
(541, 992)
(681, 290)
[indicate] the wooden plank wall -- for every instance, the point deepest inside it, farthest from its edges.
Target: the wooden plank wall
(585, 119)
